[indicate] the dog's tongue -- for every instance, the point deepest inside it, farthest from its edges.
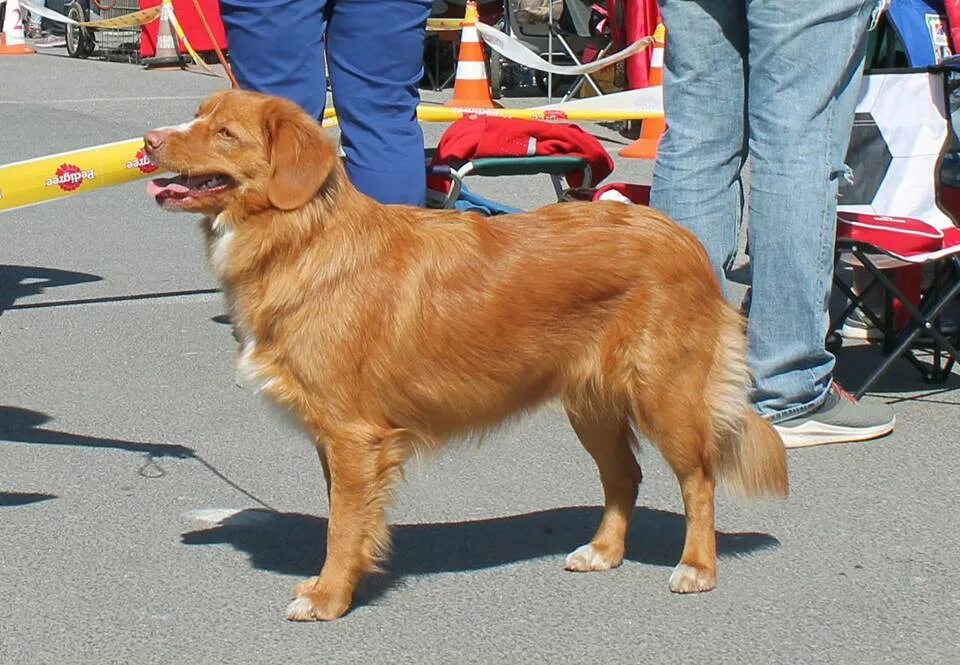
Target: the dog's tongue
(176, 187)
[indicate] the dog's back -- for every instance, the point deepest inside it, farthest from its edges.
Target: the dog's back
(386, 329)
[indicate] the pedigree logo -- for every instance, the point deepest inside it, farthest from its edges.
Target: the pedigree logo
(69, 177)
(142, 162)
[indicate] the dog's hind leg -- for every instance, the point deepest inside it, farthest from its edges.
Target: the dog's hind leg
(684, 436)
(361, 468)
(608, 439)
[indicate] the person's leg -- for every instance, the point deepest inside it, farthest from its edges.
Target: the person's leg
(696, 180)
(805, 73)
(276, 47)
(34, 26)
(375, 53)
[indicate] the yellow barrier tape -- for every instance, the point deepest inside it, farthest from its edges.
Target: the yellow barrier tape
(65, 174)
(447, 114)
(133, 20)
(427, 113)
(444, 24)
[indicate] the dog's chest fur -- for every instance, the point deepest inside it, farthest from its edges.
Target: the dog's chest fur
(250, 372)
(219, 239)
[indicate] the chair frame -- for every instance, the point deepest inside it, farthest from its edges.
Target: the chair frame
(923, 318)
(554, 166)
(554, 31)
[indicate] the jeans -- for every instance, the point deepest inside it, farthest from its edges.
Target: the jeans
(775, 82)
(35, 19)
(374, 53)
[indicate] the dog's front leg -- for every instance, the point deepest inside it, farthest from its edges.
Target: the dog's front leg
(359, 470)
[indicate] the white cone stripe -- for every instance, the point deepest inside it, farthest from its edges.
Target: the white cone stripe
(469, 35)
(471, 71)
(13, 25)
(656, 60)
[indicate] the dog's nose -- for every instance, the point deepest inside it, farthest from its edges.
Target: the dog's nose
(153, 140)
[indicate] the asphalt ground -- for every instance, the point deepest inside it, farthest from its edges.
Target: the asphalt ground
(153, 512)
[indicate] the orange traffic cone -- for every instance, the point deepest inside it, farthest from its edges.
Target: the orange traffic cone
(167, 54)
(645, 147)
(471, 89)
(11, 39)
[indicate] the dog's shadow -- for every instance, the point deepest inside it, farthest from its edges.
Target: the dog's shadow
(294, 544)
(18, 282)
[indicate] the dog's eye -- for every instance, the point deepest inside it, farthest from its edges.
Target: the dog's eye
(225, 133)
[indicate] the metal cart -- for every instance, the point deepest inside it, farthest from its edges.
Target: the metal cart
(116, 44)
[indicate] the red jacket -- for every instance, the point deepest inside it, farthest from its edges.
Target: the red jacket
(488, 136)
(953, 23)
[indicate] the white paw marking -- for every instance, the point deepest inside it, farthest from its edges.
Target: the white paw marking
(687, 579)
(299, 609)
(585, 558)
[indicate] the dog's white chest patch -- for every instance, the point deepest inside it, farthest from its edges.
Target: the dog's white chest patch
(220, 248)
(253, 375)
(250, 373)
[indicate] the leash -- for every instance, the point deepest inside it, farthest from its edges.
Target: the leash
(216, 47)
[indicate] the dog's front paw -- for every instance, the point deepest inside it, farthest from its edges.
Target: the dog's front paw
(315, 603)
(689, 579)
(589, 557)
(305, 586)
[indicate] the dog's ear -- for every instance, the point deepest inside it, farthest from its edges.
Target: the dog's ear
(301, 157)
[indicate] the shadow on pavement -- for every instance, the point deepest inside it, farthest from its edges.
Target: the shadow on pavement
(23, 426)
(855, 362)
(294, 543)
(21, 281)
(9, 499)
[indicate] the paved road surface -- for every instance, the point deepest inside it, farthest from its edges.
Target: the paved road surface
(152, 512)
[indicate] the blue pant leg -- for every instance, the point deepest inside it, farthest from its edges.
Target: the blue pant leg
(805, 74)
(276, 47)
(697, 175)
(375, 54)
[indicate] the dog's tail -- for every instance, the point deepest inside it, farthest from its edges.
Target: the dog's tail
(751, 458)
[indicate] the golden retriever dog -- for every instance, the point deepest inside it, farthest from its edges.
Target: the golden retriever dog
(388, 330)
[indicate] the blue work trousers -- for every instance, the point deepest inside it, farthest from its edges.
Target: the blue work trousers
(373, 50)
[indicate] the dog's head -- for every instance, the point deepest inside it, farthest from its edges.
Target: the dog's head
(241, 148)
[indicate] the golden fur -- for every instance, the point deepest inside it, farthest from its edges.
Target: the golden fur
(390, 329)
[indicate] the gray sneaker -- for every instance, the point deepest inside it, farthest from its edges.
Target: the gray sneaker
(858, 326)
(840, 419)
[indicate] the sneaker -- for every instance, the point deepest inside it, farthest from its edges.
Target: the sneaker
(840, 419)
(857, 326)
(50, 41)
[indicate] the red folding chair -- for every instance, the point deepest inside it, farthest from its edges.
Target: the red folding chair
(898, 222)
